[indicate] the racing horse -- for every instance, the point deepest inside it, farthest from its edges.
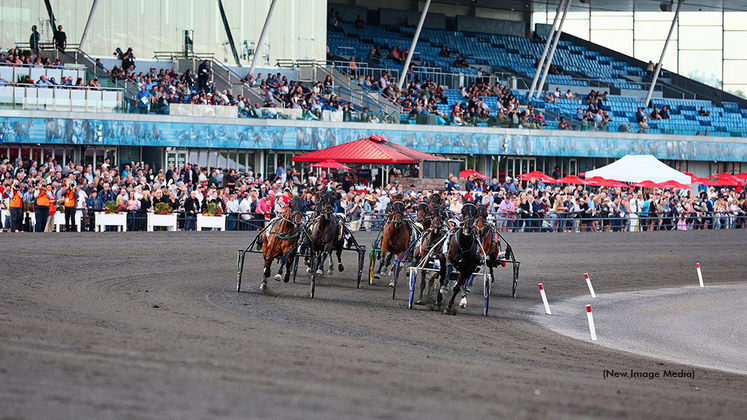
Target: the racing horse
(279, 242)
(489, 240)
(463, 254)
(327, 233)
(430, 238)
(395, 239)
(423, 217)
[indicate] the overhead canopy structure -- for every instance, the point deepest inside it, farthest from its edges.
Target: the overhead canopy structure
(637, 168)
(374, 149)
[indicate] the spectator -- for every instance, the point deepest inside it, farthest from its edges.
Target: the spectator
(34, 40)
(203, 75)
(359, 23)
(60, 39)
(703, 112)
(563, 124)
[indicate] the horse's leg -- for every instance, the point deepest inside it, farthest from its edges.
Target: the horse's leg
(291, 260)
(283, 262)
(266, 273)
(320, 266)
(382, 254)
(445, 280)
(340, 267)
(450, 310)
(422, 287)
(329, 254)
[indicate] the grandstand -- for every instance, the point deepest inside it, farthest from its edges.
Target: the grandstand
(232, 124)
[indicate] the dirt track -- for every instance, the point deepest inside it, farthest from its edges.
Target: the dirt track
(141, 325)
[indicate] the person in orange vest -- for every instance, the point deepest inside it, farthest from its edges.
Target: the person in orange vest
(44, 198)
(70, 195)
(16, 208)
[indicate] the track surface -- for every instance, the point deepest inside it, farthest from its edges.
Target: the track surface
(699, 326)
(140, 325)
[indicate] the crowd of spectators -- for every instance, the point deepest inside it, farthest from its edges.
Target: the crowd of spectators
(249, 200)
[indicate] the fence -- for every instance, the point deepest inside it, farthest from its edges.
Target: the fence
(550, 222)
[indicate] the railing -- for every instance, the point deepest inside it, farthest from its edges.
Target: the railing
(62, 98)
(547, 223)
(16, 72)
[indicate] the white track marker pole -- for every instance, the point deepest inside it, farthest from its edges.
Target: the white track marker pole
(588, 283)
(592, 330)
(700, 274)
(544, 299)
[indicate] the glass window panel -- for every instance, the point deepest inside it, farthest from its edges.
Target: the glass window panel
(700, 37)
(700, 18)
(612, 21)
(735, 72)
(704, 66)
(618, 40)
(735, 44)
(656, 30)
(651, 51)
(735, 20)
(577, 24)
(241, 161)
(250, 166)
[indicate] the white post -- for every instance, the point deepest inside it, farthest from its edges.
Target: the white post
(588, 283)
(544, 51)
(544, 299)
(552, 50)
(262, 36)
(89, 23)
(663, 51)
(413, 44)
(700, 275)
(592, 330)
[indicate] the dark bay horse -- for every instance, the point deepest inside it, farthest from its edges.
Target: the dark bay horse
(463, 255)
(424, 216)
(327, 234)
(489, 239)
(430, 237)
(279, 242)
(395, 238)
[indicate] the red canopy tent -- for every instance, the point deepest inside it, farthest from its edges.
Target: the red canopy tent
(330, 164)
(374, 149)
(468, 172)
(611, 183)
(538, 175)
(702, 181)
(673, 184)
(596, 181)
(742, 176)
(646, 184)
(571, 179)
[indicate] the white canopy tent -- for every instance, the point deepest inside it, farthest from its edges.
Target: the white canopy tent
(637, 168)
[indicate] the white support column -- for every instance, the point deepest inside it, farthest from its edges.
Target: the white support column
(89, 23)
(547, 47)
(663, 52)
(552, 50)
(262, 36)
(413, 44)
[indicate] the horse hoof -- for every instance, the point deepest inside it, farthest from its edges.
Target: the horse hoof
(263, 287)
(444, 291)
(330, 271)
(278, 277)
(341, 267)
(391, 284)
(463, 303)
(286, 279)
(450, 311)
(308, 270)
(377, 276)
(319, 272)
(420, 302)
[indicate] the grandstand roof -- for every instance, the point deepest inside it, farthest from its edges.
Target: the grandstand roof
(605, 5)
(368, 150)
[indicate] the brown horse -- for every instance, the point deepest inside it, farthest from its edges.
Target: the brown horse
(430, 237)
(395, 238)
(279, 242)
(463, 255)
(423, 217)
(489, 239)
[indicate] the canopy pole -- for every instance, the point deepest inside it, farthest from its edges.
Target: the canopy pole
(89, 23)
(544, 51)
(663, 52)
(552, 50)
(413, 44)
(262, 36)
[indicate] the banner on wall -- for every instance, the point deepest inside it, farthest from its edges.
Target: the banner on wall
(307, 136)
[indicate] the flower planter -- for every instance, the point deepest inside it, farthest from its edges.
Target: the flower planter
(164, 220)
(59, 220)
(214, 222)
(118, 219)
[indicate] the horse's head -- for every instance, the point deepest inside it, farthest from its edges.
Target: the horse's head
(469, 214)
(295, 209)
(437, 222)
(397, 213)
(325, 204)
(424, 213)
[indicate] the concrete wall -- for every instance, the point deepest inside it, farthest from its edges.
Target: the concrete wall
(490, 26)
(397, 17)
